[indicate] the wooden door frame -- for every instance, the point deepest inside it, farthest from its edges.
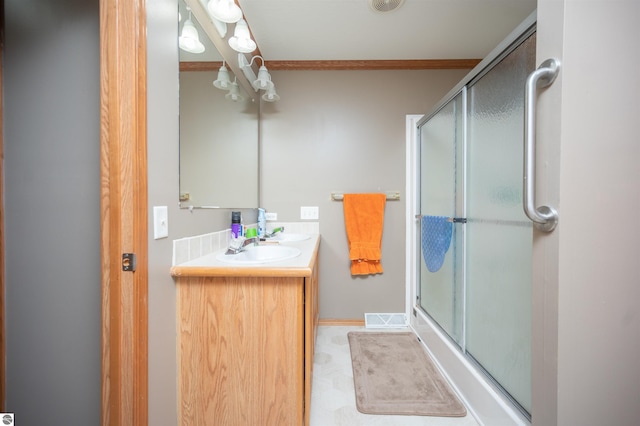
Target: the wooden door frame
(123, 207)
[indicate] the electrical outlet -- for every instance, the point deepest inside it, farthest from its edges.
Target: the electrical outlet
(309, 213)
(271, 216)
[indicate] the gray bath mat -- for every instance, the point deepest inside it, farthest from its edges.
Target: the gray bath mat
(393, 374)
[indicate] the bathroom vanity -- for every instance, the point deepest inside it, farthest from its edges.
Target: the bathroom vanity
(246, 337)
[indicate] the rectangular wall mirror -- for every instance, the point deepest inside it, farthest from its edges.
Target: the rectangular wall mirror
(218, 131)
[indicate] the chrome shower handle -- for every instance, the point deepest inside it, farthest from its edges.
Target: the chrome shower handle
(544, 218)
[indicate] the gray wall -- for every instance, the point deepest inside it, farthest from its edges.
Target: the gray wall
(162, 136)
(51, 107)
(344, 131)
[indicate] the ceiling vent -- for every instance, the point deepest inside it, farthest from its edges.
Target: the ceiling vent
(385, 5)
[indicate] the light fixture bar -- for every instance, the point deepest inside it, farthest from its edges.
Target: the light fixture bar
(246, 69)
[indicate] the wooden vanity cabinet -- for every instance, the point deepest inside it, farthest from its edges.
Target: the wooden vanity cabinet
(246, 346)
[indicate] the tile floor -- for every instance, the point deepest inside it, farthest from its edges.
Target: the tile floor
(333, 398)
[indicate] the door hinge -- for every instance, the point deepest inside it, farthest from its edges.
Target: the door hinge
(128, 262)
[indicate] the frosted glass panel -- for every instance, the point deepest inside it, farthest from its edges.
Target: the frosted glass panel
(499, 236)
(471, 155)
(440, 180)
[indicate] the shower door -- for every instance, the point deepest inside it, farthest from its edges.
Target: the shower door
(471, 156)
(441, 183)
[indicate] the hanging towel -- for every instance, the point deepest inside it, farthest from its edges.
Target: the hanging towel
(436, 239)
(364, 218)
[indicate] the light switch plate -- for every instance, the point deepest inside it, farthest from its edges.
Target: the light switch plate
(271, 216)
(160, 222)
(309, 213)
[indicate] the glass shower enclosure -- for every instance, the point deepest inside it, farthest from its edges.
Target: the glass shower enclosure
(474, 274)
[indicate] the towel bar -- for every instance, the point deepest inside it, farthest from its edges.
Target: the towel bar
(391, 196)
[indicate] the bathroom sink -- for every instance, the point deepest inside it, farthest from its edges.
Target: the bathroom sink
(256, 255)
(284, 237)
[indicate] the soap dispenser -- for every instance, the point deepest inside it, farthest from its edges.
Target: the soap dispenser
(262, 223)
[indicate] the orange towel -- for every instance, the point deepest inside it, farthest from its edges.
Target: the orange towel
(363, 218)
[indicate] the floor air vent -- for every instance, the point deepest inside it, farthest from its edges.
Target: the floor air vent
(385, 320)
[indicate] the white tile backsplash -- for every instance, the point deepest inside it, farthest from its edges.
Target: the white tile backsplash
(296, 227)
(194, 247)
(189, 248)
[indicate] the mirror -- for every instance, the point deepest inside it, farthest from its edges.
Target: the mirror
(218, 136)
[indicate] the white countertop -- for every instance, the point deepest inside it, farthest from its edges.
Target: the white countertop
(209, 265)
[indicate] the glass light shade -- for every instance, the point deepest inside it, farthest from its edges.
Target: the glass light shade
(263, 82)
(241, 40)
(270, 95)
(224, 11)
(189, 40)
(222, 81)
(234, 93)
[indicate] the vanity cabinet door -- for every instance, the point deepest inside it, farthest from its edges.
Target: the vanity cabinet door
(241, 351)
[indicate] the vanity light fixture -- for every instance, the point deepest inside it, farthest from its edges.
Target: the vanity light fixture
(241, 40)
(246, 69)
(270, 95)
(189, 39)
(224, 11)
(223, 81)
(234, 93)
(221, 27)
(263, 82)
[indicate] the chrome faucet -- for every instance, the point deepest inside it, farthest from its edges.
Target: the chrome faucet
(238, 244)
(274, 232)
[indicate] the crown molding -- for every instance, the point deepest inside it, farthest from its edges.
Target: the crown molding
(348, 65)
